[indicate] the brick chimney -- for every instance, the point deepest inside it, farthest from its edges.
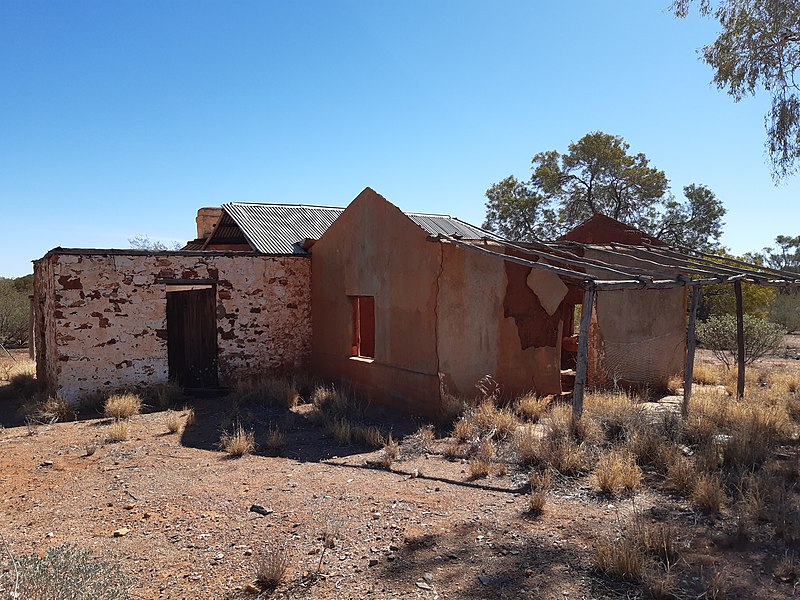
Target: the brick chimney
(207, 218)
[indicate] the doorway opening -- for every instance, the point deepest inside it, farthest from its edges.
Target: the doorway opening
(192, 335)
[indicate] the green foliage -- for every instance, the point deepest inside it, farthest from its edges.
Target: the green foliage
(15, 310)
(692, 223)
(63, 573)
(786, 309)
(598, 175)
(761, 338)
(758, 47)
(787, 254)
(719, 300)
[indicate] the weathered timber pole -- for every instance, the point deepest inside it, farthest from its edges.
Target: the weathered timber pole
(582, 361)
(737, 288)
(691, 342)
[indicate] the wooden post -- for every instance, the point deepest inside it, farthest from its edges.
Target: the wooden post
(582, 361)
(737, 288)
(691, 342)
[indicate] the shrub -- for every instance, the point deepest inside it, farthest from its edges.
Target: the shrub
(786, 309)
(62, 573)
(760, 338)
(271, 566)
(123, 406)
(238, 442)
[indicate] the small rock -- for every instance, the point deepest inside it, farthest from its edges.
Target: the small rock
(393, 548)
(423, 586)
(47, 463)
(252, 588)
(428, 577)
(248, 552)
(122, 531)
(257, 508)
(130, 506)
(50, 534)
(219, 556)
(373, 562)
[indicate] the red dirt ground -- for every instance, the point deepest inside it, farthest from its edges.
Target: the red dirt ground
(422, 530)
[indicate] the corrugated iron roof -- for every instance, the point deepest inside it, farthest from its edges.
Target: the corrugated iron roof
(278, 228)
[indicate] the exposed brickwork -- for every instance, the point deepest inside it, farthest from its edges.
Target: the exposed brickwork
(101, 318)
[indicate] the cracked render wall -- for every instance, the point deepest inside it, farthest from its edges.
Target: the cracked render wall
(101, 318)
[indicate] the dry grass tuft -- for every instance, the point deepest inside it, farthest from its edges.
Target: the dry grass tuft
(267, 390)
(123, 406)
(531, 407)
(331, 404)
(681, 476)
(166, 394)
(707, 373)
(48, 410)
(786, 569)
(562, 426)
(238, 442)
(486, 420)
(271, 566)
(485, 449)
(421, 440)
(708, 492)
(452, 451)
(617, 471)
(341, 430)
(479, 468)
(620, 557)
(368, 435)
(389, 453)
(22, 377)
(173, 422)
(118, 431)
(541, 482)
(276, 440)
(617, 413)
(527, 446)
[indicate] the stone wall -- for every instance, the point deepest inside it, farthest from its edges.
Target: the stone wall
(101, 315)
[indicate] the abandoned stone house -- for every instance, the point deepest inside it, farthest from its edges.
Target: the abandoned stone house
(403, 307)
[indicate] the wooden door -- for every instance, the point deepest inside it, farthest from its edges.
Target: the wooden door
(192, 337)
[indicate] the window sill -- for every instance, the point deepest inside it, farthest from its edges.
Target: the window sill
(363, 359)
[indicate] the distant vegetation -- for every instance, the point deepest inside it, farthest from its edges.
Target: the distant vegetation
(15, 310)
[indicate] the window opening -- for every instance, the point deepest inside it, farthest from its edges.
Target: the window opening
(363, 326)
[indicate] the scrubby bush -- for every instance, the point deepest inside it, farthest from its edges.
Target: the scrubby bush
(761, 338)
(62, 573)
(786, 310)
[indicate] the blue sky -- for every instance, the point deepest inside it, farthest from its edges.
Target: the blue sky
(122, 118)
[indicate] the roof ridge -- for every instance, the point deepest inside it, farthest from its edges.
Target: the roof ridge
(287, 204)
